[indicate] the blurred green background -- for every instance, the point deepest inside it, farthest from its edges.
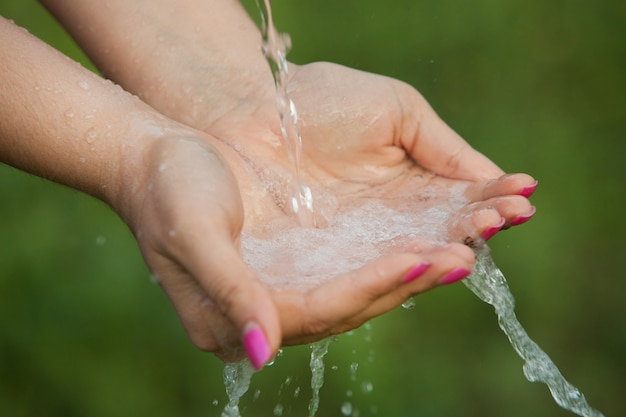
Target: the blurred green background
(538, 86)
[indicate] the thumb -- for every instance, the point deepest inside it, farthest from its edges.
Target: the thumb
(438, 148)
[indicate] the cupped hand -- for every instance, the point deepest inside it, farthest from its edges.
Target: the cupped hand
(187, 215)
(364, 137)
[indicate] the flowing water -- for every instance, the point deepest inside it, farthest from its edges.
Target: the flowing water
(488, 283)
(275, 47)
(358, 234)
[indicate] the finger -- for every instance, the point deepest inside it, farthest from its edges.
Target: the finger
(438, 148)
(340, 303)
(482, 220)
(450, 264)
(508, 184)
(237, 293)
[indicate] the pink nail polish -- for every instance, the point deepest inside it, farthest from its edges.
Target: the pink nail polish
(524, 218)
(256, 346)
(488, 234)
(454, 276)
(416, 272)
(529, 190)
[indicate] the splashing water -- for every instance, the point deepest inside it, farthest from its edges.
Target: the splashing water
(275, 47)
(489, 284)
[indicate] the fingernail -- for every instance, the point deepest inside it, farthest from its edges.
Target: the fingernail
(454, 276)
(416, 272)
(529, 190)
(256, 346)
(488, 234)
(524, 218)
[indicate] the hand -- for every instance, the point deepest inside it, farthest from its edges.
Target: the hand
(187, 216)
(224, 296)
(363, 135)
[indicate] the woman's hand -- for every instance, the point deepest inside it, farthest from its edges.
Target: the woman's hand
(364, 136)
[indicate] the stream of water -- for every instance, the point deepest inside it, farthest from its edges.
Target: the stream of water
(363, 233)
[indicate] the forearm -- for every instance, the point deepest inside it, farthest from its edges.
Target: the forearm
(62, 122)
(170, 53)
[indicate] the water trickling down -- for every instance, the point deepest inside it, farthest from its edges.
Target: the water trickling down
(275, 47)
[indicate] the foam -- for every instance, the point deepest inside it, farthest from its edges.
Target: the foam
(360, 231)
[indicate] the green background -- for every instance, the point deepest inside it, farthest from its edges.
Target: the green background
(538, 86)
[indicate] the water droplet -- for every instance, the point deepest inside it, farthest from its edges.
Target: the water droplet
(215, 402)
(288, 381)
(172, 233)
(409, 304)
(162, 167)
(84, 85)
(101, 240)
(256, 395)
(334, 367)
(367, 387)
(81, 159)
(353, 367)
(69, 114)
(296, 392)
(349, 393)
(91, 135)
(278, 410)
(346, 408)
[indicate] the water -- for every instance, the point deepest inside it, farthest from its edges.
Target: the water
(318, 351)
(238, 375)
(275, 47)
(489, 284)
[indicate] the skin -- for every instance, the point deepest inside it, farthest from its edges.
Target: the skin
(185, 179)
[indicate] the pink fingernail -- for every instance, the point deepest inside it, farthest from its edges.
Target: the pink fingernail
(488, 234)
(256, 346)
(524, 218)
(454, 276)
(529, 190)
(416, 272)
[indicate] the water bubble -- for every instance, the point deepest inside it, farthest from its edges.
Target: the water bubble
(256, 395)
(334, 367)
(349, 393)
(162, 167)
(215, 402)
(346, 408)
(69, 114)
(296, 392)
(278, 410)
(101, 240)
(83, 85)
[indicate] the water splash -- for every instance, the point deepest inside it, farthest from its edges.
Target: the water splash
(275, 47)
(488, 283)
